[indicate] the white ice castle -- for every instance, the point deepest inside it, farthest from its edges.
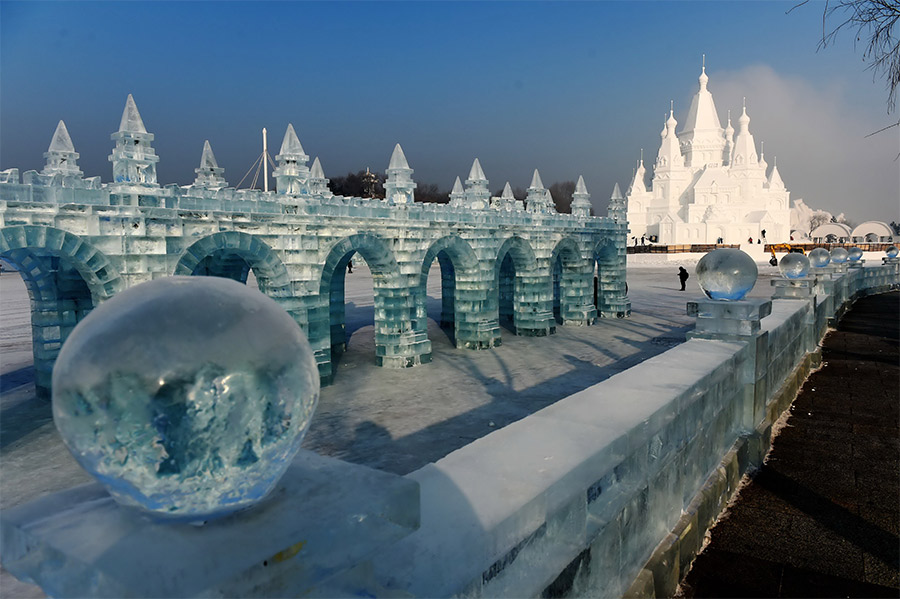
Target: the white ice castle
(708, 183)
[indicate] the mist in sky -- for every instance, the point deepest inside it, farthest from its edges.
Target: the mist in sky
(568, 88)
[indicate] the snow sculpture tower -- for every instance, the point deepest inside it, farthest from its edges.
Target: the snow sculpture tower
(709, 184)
(399, 187)
(477, 193)
(538, 198)
(617, 209)
(62, 159)
(581, 204)
(134, 160)
(318, 184)
(292, 174)
(209, 174)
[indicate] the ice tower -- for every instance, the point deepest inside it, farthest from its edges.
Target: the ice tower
(581, 205)
(477, 193)
(61, 155)
(318, 184)
(538, 198)
(209, 174)
(292, 174)
(134, 160)
(617, 209)
(399, 187)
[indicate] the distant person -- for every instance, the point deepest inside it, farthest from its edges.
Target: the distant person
(350, 267)
(763, 233)
(682, 276)
(720, 241)
(758, 241)
(642, 239)
(634, 239)
(749, 240)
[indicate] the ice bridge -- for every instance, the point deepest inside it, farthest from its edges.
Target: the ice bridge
(78, 241)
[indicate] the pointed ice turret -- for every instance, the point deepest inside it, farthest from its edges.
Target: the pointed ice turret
(637, 184)
(617, 209)
(134, 159)
(457, 194)
(774, 181)
(669, 150)
(538, 198)
(209, 174)
(581, 204)
(399, 187)
(763, 165)
(744, 155)
(62, 159)
(477, 193)
(506, 201)
(702, 139)
(729, 142)
(318, 184)
(292, 173)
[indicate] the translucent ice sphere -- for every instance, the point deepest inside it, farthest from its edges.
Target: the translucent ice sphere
(187, 397)
(819, 258)
(892, 251)
(726, 274)
(839, 255)
(794, 266)
(854, 254)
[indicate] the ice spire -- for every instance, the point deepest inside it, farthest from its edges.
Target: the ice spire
(134, 159)
(477, 193)
(669, 151)
(617, 210)
(762, 158)
(291, 174)
(538, 199)
(131, 118)
(729, 142)
(702, 135)
(318, 184)
(775, 181)
(506, 201)
(209, 174)
(581, 205)
(61, 155)
(637, 184)
(399, 186)
(457, 194)
(507, 193)
(744, 147)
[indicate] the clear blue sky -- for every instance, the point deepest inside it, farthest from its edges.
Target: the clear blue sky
(569, 88)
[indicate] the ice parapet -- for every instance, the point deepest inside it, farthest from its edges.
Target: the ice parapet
(187, 397)
(819, 258)
(839, 255)
(726, 274)
(794, 266)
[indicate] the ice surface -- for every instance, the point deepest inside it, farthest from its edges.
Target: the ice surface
(726, 274)
(854, 254)
(819, 258)
(839, 255)
(187, 397)
(794, 265)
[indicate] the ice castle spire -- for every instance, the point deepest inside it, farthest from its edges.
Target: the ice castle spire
(581, 205)
(729, 142)
(538, 198)
(506, 201)
(62, 159)
(775, 181)
(457, 194)
(669, 150)
(209, 174)
(134, 159)
(477, 193)
(617, 209)
(292, 173)
(744, 155)
(318, 184)
(399, 187)
(637, 183)
(702, 136)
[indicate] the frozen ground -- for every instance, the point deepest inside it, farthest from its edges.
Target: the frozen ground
(394, 420)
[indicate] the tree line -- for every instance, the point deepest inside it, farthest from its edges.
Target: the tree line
(365, 184)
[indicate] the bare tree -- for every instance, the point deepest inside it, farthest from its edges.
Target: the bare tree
(873, 23)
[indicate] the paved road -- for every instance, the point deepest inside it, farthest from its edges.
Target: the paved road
(820, 518)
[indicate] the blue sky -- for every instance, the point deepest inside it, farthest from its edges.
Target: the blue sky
(570, 88)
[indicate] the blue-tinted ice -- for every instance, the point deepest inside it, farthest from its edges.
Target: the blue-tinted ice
(726, 274)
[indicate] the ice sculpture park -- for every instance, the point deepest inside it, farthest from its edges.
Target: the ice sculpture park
(186, 397)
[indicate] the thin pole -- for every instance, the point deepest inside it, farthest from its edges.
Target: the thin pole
(265, 163)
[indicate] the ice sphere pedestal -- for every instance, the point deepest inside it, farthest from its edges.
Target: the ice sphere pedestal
(720, 320)
(803, 288)
(312, 536)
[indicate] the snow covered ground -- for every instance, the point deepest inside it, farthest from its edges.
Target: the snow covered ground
(394, 420)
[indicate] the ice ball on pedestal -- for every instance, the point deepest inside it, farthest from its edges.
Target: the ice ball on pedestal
(839, 255)
(854, 254)
(892, 251)
(794, 266)
(187, 397)
(726, 274)
(819, 258)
